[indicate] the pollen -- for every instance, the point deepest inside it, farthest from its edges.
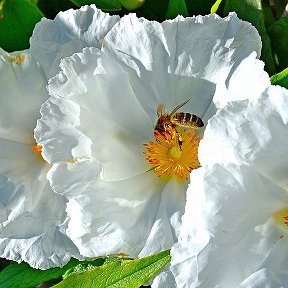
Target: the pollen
(281, 220)
(37, 149)
(173, 153)
(19, 59)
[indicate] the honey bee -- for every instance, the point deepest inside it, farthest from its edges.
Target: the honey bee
(174, 119)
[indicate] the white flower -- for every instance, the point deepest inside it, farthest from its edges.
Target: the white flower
(32, 216)
(103, 109)
(235, 221)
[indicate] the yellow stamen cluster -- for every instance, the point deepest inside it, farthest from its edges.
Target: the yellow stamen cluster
(19, 59)
(38, 150)
(173, 153)
(281, 219)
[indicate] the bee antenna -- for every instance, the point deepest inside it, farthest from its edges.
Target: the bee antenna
(179, 106)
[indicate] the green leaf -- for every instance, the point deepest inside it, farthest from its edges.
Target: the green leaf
(23, 276)
(120, 273)
(280, 78)
(153, 10)
(161, 10)
(251, 11)
(51, 8)
(132, 4)
(88, 265)
(279, 38)
(269, 17)
(105, 5)
(176, 7)
(17, 22)
(215, 7)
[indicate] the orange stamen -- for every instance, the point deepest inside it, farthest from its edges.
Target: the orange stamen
(173, 153)
(37, 148)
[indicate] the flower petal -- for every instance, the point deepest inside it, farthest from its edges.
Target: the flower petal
(68, 33)
(32, 217)
(245, 81)
(22, 80)
(165, 230)
(56, 135)
(31, 213)
(164, 279)
(238, 205)
(113, 213)
(36, 235)
(254, 131)
(263, 279)
(180, 59)
(22, 175)
(277, 261)
(95, 102)
(74, 178)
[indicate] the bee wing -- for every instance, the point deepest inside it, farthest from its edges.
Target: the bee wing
(160, 110)
(178, 107)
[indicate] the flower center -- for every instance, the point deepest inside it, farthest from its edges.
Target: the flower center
(173, 153)
(19, 59)
(281, 220)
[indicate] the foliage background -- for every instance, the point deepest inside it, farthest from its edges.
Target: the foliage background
(17, 21)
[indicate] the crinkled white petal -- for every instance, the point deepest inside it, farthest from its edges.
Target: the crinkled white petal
(245, 81)
(180, 59)
(273, 272)
(192, 230)
(32, 216)
(259, 279)
(22, 174)
(113, 217)
(59, 139)
(33, 232)
(74, 178)
(68, 33)
(22, 93)
(264, 279)
(109, 216)
(236, 216)
(277, 261)
(92, 99)
(169, 213)
(267, 151)
(255, 132)
(164, 279)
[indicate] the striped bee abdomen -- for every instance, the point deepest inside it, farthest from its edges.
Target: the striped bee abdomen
(187, 120)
